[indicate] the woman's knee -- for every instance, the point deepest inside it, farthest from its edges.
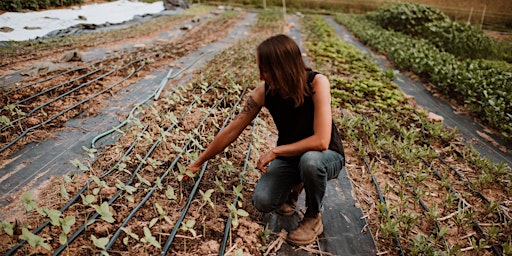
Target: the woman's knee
(262, 202)
(310, 165)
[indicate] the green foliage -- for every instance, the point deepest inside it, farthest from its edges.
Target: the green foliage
(482, 86)
(460, 39)
(34, 240)
(408, 18)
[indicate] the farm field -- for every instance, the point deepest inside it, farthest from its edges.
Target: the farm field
(420, 187)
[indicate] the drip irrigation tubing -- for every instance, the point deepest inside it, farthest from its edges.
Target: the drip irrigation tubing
(194, 189)
(67, 92)
(397, 242)
(425, 207)
(52, 77)
(153, 189)
(422, 203)
(132, 177)
(70, 108)
(80, 192)
(160, 87)
(227, 227)
(464, 179)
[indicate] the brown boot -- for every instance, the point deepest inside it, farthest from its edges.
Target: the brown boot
(307, 231)
(288, 208)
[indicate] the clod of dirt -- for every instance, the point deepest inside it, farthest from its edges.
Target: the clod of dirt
(434, 117)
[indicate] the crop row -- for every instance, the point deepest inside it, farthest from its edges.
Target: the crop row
(144, 203)
(419, 205)
(483, 87)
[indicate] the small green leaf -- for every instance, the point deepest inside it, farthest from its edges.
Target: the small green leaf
(100, 242)
(88, 199)
(66, 223)
(28, 201)
(63, 238)
(149, 238)
(104, 211)
(54, 216)
(34, 240)
(7, 227)
(170, 193)
(153, 222)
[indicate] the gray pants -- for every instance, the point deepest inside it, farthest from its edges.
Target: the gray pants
(313, 168)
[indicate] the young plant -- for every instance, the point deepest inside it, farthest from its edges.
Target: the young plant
(234, 213)
(34, 240)
(149, 238)
(104, 211)
(101, 243)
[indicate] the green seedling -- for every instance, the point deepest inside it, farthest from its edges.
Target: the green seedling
(100, 243)
(189, 226)
(130, 234)
(34, 240)
(149, 238)
(169, 193)
(63, 192)
(143, 180)
(7, 227)
(184, 172)
(101, 184)
(129, 190)
(234, 213)
(104, 211)
(88, 199)
(79, 165)
(206, 197)
(28, 201)
(5, 121)
(219, 185)
(90, 151)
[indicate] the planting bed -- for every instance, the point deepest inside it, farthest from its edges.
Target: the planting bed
(411, 185)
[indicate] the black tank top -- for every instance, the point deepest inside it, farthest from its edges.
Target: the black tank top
(296, 123)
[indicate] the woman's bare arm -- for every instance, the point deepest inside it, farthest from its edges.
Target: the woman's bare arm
(231, 132)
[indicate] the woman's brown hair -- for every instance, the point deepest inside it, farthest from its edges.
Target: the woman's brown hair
(280, 58)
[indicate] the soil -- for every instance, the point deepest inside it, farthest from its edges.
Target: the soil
(214, 95)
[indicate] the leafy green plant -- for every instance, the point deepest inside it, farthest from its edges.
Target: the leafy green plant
(104, 211)
(100, 243)
(407, 17)
(235, 213)
(34, 240)
(7, 227)
(149, 238)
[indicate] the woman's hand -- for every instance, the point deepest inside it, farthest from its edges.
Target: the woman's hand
(264, 160)
(193, 167)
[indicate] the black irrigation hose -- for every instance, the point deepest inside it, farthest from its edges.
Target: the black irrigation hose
(51, 77)
(68, 92)
(227, 228)
(475, 222)
(153, 189)
(422, 203)
(194, 190)
(81, 191)
(57, 86)
(70, 108)
(132, 177)
(397, 242)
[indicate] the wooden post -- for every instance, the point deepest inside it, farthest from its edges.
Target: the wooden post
(284, 9)
(483, 15)
(470, 14)
(264, 4)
